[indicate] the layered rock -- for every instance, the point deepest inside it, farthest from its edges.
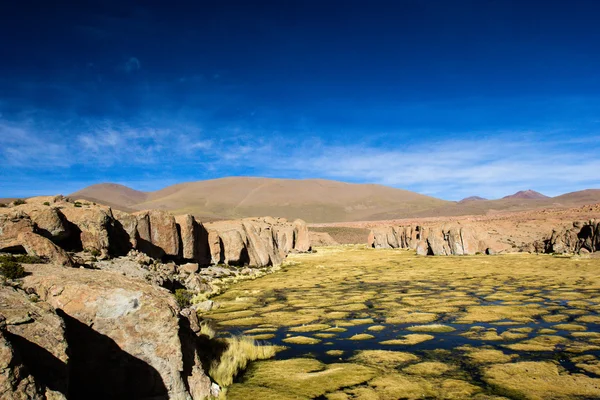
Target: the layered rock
(446, 239)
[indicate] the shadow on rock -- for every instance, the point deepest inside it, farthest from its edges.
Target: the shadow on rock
(98, 368)
(41, 364)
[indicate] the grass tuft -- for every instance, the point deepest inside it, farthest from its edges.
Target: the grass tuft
(239, 352)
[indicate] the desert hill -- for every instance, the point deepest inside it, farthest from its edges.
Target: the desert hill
(314, 200)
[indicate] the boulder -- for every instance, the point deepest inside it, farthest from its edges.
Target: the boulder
(157, 234)
(215, 246)
(302, 240)
(126, 339)
(189, 268)
(163, 232)
(51, 223)
(11, 226)
(283, 235)
(40, 246)
(93, 226)
(187, 230)
(234, 246)
(128, 223)
(260, 247)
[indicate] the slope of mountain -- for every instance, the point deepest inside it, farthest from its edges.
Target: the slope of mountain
(314, 200)
(114, 195)
(527, 194)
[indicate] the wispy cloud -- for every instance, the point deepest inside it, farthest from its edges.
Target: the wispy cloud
(21, 146)
(492, 164)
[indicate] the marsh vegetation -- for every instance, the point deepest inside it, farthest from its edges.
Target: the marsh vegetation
(359, 323)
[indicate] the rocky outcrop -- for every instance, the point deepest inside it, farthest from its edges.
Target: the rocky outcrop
(45, 230)
(125, 337)
(93, 226)
(51, 223)
(446, 239)
(18, 233)
(255, 241)
(580, 237)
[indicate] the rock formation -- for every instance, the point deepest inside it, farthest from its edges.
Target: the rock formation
(115, 328)
(48, 229)
(581, 237)
(464, 239)
(446, 239)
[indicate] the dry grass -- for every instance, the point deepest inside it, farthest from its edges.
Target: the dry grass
(429, 368)
(541, 380)
(361, 336)
(438, 328)
(299, 378)
(385, 359)
(309, 328)
(407, 340)
(301, 340)
(239, 352)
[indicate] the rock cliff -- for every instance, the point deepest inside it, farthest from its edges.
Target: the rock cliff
(50, 229)
(446, 239)
(465, 239)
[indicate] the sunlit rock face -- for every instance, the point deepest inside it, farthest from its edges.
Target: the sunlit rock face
(446, 239)
(48, 228)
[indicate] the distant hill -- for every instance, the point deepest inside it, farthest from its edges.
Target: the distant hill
(314, 200)
(471, 198)
(527, 194)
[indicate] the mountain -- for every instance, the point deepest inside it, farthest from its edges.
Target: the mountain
(113, 195)
(314, 200)
(471, 198)
(527, 195)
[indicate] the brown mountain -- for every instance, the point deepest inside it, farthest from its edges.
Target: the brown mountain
(314, 200)
(527, 194)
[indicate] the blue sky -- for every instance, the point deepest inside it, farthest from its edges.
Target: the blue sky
(446, 98)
